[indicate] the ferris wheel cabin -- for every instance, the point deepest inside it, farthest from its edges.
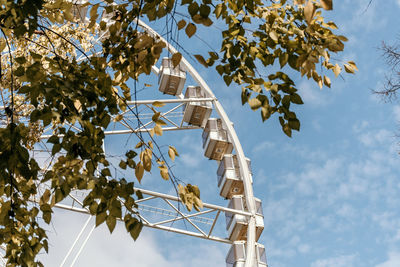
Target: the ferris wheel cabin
(230, 181)
(237, 224)
(216, 141)
(171, 80)
(237, 255)
(196, 113)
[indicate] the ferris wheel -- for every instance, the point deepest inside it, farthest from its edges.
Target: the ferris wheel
(187, 107)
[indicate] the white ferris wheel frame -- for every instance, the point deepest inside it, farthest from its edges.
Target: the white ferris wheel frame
(174, 200)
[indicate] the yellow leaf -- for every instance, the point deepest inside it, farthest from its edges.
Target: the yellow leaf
(164, 172)
(198, 204)
(139, 171)
(176, 59)
(150, 144)
(118, 117)
(320, 83)
(171, 153)
(274, 36)
(139, 145)
(309, 11)
(254, 103)
(2, 44)
(158, 104)
(174, 149)
(146, 162)
(351, 63)
(181, 24)
(327, 81)
(337, 69)
(78, 105)
(348, 68)
(93, 10)
(201, 60)
(190, 29)
(160, 122)
(158, 130)
(327, 4)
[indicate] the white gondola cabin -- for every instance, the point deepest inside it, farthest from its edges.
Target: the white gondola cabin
(171, 80)
(196, 113)
(237, 255)
(230, 181)
(216, 142)
(236, 224)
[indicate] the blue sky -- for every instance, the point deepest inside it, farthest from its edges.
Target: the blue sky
(331, 194)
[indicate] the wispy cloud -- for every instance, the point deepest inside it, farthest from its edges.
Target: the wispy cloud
(393, 257)
(340, 261)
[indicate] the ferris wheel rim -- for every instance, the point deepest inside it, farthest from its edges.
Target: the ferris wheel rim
(244, 169)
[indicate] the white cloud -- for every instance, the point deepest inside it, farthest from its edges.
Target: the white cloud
(392, 261)
(304, 248)
(375, 138)
(396, 112)
(263, 147)
(311, 94)
(153, 247)
(340, 261)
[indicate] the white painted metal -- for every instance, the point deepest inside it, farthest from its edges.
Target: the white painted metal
(199, 223)
(171, 79)
(3, 251)
(237, 255)
(216, 141)
(236, 224)
(248, 189)
(250, 215)
(229, 179)
(76, 240)
(196, 113)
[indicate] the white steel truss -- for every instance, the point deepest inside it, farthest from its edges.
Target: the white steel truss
(170, 217)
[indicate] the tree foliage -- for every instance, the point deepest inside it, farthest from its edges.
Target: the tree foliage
(54, 74)
(390, 89)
